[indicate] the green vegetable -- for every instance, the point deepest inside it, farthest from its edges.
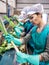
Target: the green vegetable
(16, 18)
(2, 49)
(2, 28)
(4, 44)
(10, 22)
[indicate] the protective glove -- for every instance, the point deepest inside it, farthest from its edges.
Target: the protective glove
(20, 28)
(23, 58)
(21, 23)
(18, 32)
(33, 59)
(10, 38)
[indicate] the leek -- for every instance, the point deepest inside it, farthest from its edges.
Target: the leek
(10, 22)
(2, 27)
(16, 18)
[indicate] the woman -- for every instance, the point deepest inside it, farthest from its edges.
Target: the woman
(39, 36)
(22, 30)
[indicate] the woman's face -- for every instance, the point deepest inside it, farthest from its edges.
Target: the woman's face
(35, 19)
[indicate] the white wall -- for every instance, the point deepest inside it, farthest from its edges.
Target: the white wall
(2, 7)
(12, 3)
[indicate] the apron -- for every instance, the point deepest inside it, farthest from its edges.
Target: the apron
(38, 41)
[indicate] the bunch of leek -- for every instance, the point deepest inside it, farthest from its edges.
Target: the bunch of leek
(17, 20)
(14, 18)
(10, 22)
(2, 27)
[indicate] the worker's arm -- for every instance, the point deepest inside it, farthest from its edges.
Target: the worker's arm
(17, 41)
(27, 37)
(45, 55)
